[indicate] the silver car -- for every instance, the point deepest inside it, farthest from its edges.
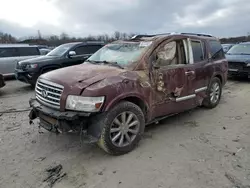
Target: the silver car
(10, 54)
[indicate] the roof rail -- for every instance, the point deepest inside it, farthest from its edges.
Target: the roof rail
(197, 34)
(141, 36)
(95, 42)
(172, 33)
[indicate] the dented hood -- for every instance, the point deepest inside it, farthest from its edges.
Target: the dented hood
(81, 76)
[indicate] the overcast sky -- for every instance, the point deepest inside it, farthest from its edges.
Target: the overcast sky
(84, 17)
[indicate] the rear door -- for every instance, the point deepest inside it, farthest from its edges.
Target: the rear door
(199, 68)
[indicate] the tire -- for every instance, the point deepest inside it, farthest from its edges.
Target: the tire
(109, 122)
(215, 90)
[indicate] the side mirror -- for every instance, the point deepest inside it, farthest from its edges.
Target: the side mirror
(86, 56)
(72, 53)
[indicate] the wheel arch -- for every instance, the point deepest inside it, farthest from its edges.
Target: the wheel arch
(50, 67)
(133, 98)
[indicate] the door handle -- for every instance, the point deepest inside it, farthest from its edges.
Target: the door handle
(189, 73)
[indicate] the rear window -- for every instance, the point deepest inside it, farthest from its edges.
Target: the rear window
(217, 51)
(28, 51)
(198, 52)
(87, 49)
(8, 52)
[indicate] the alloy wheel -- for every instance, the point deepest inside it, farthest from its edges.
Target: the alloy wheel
(124, 129)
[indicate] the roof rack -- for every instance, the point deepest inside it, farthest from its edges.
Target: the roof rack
(172, 33)
(141, 36)
(197, 34)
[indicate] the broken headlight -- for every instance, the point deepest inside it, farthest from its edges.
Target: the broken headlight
(85, 104)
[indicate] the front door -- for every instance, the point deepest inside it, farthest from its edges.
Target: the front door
(174, 76)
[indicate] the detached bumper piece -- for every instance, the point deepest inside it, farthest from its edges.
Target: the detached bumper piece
(56, 121)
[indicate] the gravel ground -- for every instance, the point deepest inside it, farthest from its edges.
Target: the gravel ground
(195, 149)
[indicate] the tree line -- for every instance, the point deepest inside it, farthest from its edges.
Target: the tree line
(55, 40)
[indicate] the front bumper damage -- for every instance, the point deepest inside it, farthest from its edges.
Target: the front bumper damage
(65, 122)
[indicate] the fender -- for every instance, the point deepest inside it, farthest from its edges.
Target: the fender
(124, 96)
(50, 67)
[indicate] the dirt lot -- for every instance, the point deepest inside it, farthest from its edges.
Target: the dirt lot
(201, 148)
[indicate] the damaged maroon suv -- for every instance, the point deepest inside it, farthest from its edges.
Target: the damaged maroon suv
(129, 84)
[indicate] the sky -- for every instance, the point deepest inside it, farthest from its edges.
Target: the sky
(80, 18)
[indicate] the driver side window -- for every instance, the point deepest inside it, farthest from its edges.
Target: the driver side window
(171, 54)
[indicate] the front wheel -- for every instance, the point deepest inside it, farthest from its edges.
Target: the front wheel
(213, 93)
(123, 127)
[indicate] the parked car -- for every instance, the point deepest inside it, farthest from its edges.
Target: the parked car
(64, 55)
(44, 51)
(10, 54)
(129, 84)
(2, 83)
(239, 60)
(227, 47)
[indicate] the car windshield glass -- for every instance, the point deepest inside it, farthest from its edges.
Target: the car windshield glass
(60, 50)
(240, 49)
(122, 54)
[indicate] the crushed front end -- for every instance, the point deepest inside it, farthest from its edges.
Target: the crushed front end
(46, 107)
(56, 121)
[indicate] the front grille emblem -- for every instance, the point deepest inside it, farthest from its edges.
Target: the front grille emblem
(44, 93)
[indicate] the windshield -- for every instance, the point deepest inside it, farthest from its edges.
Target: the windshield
(121, 53)
(240, 49)
(60, 50)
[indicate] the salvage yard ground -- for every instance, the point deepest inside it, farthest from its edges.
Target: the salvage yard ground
(195, 149)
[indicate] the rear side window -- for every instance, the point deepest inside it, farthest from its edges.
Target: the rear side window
(28, 51)
(87, 49)
(8, 52)
(198, 53)
(217, 51)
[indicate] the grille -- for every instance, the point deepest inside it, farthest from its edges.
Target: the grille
(48, 93)
(236, 65)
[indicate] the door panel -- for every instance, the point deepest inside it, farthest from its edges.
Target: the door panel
(175, 90)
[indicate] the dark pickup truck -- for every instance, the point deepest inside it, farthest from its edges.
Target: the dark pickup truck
(63, 56)
(129, 84)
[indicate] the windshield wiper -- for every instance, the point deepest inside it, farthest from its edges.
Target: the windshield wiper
(112, 63)
(94, 62)
(106, 62)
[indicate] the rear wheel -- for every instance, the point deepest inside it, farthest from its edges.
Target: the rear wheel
(213, 93)
(123, 127)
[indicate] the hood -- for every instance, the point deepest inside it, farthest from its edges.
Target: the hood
(78, 77)
(38, 59)
(238, 58)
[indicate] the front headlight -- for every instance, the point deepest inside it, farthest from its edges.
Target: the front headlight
(248, 65)
(31, 66)
(85, 104)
